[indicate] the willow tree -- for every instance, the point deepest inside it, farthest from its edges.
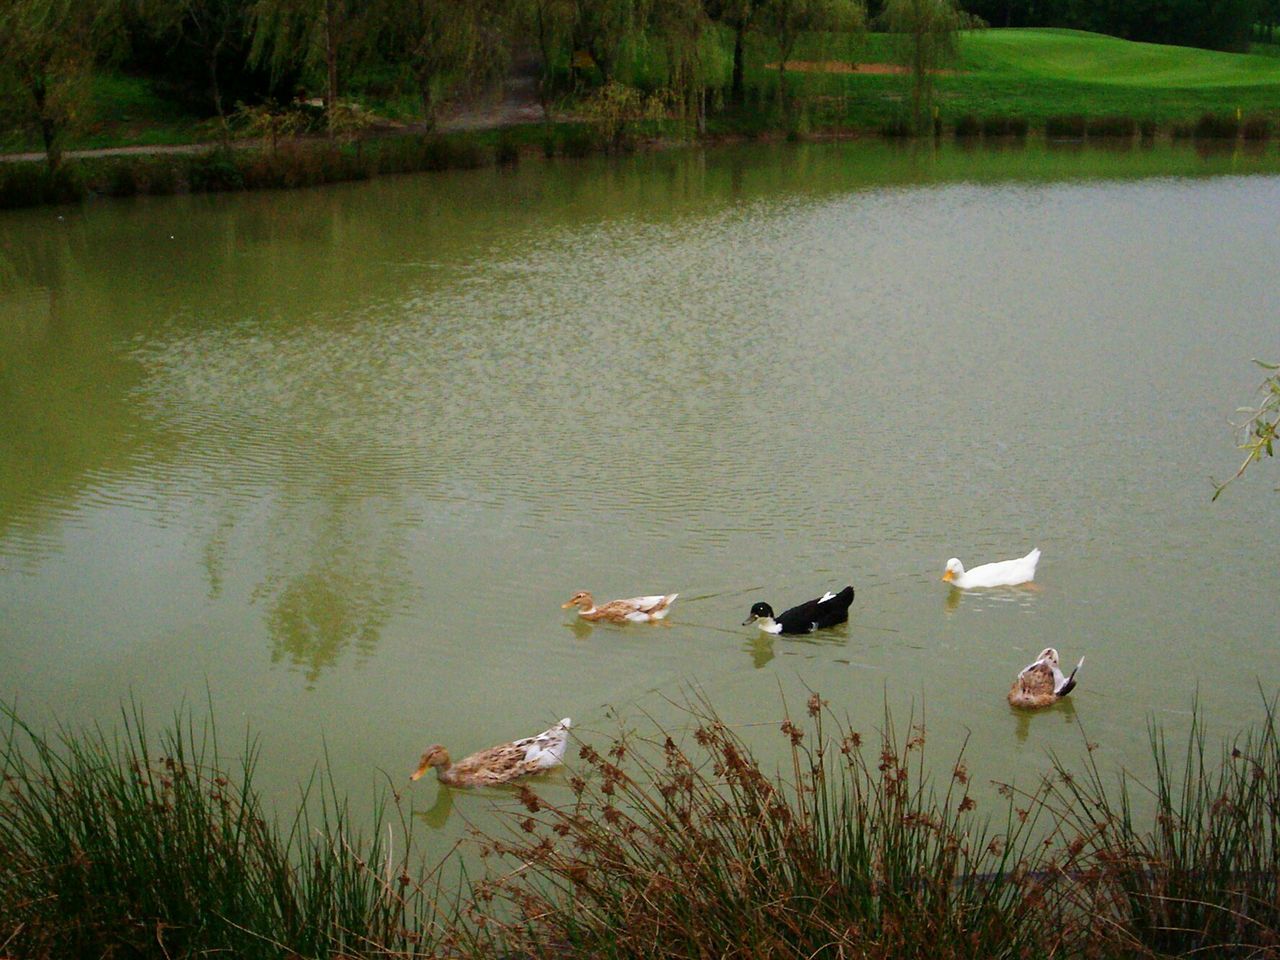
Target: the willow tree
(326, 34)
(785, 21)
(445, 43)
(1260, 432)
(928, 39)
(603, 27)
(682, 27)
(550, 23)
(48, 49)
(737, 15)
(213, 31)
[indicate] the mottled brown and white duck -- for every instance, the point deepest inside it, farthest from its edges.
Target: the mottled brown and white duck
(500, 764)
(1041, 684)
(633, 609)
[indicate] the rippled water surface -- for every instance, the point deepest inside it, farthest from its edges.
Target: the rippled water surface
(333, 459)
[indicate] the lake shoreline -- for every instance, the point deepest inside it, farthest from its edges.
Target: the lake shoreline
(295, 162)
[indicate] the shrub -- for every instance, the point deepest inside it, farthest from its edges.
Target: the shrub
(968, 126)
(215, 171)
(1118, 127)
(1072, 127)
(507, 151)
(1256, 128)
(21, 185)
(1216, 127)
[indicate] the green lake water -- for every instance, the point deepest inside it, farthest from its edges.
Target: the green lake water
(331, 460)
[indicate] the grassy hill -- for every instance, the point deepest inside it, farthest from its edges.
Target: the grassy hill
(1077, 57)
(1035, 74)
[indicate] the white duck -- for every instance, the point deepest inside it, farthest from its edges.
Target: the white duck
(1004, 573)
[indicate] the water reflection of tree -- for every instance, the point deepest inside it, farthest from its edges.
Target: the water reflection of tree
(337, 572)
(322, 612)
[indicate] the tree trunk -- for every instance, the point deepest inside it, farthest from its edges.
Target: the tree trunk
(737, 91)
(428, 102)
(216, 90)
(48, 126)
(331, 59)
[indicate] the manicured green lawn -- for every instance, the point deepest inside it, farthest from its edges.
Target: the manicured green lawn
(1040, 73)
(1074, 56)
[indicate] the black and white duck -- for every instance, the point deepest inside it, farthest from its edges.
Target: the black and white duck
(826, 611)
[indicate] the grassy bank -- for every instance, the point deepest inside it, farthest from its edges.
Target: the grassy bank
(672, 844)
(1008, 83)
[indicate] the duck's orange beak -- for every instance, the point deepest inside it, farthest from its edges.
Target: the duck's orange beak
(947, 576)
(567, 604)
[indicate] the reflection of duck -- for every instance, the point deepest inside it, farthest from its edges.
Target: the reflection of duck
(1004, 573)
(635, 609)
(826, 611)
(1041, 684)
(500, 764)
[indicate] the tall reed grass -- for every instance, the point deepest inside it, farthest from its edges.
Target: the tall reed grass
(1197, 871)
(690, 849)
(672, 844)
(121, 845)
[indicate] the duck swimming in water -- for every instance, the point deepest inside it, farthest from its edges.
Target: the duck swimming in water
(1004, 573)
(826, 611)
(1042, 684)
(634, 609)
(500, 764)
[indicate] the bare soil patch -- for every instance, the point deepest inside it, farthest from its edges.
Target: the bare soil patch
(842, 66)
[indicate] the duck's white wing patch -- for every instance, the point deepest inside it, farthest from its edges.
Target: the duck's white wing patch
(645, 603)
(826, 596)
(547, 748)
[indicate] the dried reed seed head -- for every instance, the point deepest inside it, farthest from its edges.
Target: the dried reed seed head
(960, 774)
(794, 732)
(529, 799)
(967, 804)
(528, 824)
(816, 704)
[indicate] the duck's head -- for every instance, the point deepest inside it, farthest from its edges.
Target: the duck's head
(580, 599)
(761, 611)
(436, 756)
(954, 569)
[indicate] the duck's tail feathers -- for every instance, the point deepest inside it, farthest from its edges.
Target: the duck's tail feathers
(1069, 683)
(547, 748)
(841, 599)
